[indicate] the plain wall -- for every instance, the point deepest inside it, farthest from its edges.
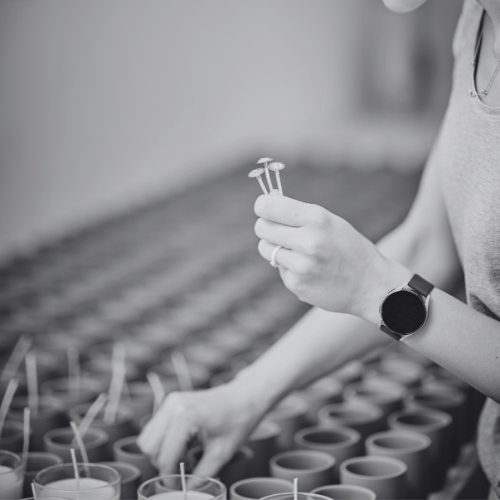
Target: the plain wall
(106, 102)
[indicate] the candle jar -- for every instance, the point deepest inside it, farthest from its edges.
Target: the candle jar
(346, 492)
(362, 417)
(12, 436)
(339, 442)
(72, 391)
(170, 488)
(384, 475)
(130, 479)
(60, 441)
(262, 441)
(311, 468)
(50, 415)
(289, 414)
(411, 448)
(127, 451)
(435, 424)
(257, 487)
(121, 427)
(140, 399)
(96, 482)
(385, 394)
(11, 476)
(291, 496)
(326, 390)
(402, 371)
(36, 462)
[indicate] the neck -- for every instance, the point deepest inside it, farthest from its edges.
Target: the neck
(492, 8)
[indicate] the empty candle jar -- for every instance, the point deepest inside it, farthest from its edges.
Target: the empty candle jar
(339, 442)
(450, 400)
(60, 441)
(345, 492)
(289, 414)
(121, 426)
(94, 482)
(255, 488)
(11, 438)
(385, 394)
(384, 475)
(262, 441)
(411, 448)
(437, 426)
(11, 476)
(238, 467)
(402, 371)
(311, 468)
(49, 414)
(362, 417)
(126, 450)
(170, 488)
(72, 391)
(324, 391)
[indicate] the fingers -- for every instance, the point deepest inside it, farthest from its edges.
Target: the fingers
(173, 446)
(286, 236)
(288, 211)
(166, 434)
(284, 257)
(214, 457)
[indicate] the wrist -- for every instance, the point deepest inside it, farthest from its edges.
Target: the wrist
(261, 394)
(380, 279)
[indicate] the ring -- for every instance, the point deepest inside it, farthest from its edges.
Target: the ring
(273, 256)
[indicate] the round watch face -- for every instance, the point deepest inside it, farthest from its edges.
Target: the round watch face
(403, 312)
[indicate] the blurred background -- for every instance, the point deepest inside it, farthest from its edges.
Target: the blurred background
(106, 105)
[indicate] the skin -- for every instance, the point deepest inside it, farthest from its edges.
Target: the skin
(330, 265)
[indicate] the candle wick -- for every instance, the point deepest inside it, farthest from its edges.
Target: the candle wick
(7, 400)
(26, 436)
(34, 491)
(75, 468)
(295, 488)
(158, 390)
(183, 480)
(32, 380)
(182, 371)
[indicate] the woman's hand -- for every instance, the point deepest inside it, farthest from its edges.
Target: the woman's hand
(222, 417)
(324, 260)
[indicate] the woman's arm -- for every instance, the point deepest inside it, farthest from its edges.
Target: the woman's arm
(318, 343)
(322, 341)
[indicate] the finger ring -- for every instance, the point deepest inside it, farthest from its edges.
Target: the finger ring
(273, 256)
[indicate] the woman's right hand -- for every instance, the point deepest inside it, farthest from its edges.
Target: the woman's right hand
(221, 417)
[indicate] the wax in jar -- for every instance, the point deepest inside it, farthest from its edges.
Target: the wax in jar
(11, 484)
(87, 489)
(179, 495)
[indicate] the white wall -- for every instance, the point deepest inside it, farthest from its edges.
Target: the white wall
(107, 101)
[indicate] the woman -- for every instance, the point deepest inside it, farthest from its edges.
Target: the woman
(454, 221)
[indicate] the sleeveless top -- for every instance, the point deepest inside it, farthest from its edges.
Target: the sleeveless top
(467, 153)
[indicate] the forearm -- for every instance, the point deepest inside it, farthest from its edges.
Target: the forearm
(324, 341)
(317, 344)
(463, 341)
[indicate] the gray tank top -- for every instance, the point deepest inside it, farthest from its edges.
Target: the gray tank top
(468, 156)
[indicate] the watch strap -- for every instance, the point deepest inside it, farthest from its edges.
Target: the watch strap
(420, 285)
(395, 336)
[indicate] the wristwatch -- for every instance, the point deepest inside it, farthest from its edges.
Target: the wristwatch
(404, 310)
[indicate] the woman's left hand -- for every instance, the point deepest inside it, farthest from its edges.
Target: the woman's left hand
(324, 260)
